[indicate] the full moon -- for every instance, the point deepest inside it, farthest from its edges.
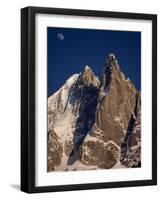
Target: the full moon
(60, 36)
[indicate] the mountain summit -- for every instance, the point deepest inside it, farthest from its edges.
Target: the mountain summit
(89, 77)
(95, 123)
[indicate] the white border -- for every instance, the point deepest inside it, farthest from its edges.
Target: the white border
(60, 178)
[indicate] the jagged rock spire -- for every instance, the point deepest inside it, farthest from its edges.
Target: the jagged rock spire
(111, 60)
(109, 65)
(89, 77)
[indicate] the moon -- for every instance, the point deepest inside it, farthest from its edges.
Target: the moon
(60, 36)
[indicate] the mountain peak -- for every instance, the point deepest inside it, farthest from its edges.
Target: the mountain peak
(111, 56)
(87, 68)
(110, 66)
(111, 63)
(89, 78)
(111, 60)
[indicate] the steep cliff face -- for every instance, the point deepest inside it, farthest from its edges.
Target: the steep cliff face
(131, 147)
(95, 124)
(116, 105)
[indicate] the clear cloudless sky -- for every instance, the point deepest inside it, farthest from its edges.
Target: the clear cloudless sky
(69, 50)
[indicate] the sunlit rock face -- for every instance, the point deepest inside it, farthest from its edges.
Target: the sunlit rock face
(55, 151)
(95, 124)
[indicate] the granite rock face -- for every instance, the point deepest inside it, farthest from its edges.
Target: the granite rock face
(55, 151)
(95, 123)
(131, 148)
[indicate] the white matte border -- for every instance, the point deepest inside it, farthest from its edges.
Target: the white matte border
(44, 178)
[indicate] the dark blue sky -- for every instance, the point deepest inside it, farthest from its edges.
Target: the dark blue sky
(69, 50)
